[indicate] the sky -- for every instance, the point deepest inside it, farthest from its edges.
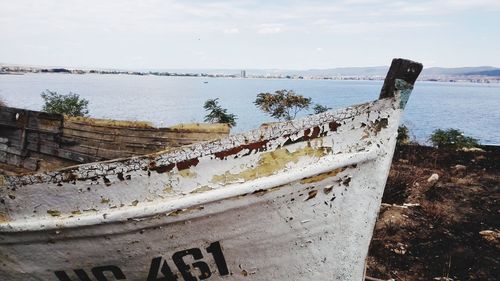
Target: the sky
(183, 34)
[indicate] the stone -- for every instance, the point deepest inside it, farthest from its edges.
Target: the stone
(433, 178)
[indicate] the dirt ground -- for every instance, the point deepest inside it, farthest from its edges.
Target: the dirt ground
(439, 227)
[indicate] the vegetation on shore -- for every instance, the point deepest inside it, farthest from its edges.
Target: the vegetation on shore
(318, 108)
(217, 114)
(282, 104)
(452, 138)
(70, 104)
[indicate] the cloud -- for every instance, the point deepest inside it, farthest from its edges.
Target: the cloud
(269, 28)
(232, 30)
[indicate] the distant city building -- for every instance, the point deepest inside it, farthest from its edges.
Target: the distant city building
(243, 74)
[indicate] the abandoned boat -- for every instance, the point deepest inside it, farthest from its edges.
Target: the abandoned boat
(290, 201)
(34, 141)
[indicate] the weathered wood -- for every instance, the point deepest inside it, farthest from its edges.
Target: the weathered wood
(403, 69)
(139, 135)
(80, 140)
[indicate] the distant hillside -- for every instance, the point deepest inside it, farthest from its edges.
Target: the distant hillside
(439, 71)
(380, 71)
(495, 73)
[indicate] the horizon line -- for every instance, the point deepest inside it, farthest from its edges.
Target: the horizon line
(216, 68)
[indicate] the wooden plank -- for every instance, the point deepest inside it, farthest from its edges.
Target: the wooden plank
(30, 164)
(77, 157)
(117, 145)
(406, 70)
(124, 136)
(100, 152)
(41, 121)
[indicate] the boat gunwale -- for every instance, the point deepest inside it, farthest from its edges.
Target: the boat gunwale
(184, 153)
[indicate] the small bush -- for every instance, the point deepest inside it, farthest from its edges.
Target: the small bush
(70, 104)
(452, 138)
(403, 136)
(217, 114)
(283, 104)
(318, 108)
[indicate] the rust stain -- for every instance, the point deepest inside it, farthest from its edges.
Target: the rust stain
(320, 177)
(315, 132)
(308, 135)
(334, 125)
(257, 146)
(163, 168)
(3, 218)
(187, 164)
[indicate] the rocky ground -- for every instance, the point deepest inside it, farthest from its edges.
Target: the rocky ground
(439, 218)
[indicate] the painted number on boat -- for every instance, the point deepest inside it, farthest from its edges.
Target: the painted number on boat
(160, 269)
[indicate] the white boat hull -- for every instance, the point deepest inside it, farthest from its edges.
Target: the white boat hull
(293, 201)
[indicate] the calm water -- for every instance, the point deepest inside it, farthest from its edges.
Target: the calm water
(472, 108)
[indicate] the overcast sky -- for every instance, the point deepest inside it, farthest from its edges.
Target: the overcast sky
(248, 34)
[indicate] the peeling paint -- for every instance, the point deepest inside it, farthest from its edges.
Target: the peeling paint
(322, 176)
(54, 213)
(202, 189)
(268, 164)
(328, 189)
(311, 195)
(187, 173)
(4, 217)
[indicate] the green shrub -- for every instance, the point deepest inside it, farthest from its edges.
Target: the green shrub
(452, 138)
(70, 104)
(403, 135)
(318, 108)
(283, 104)
(217, 114)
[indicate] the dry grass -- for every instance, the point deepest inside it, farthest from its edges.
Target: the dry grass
(202, 127)
(108, 122)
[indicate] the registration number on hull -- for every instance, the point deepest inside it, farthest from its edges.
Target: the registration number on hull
(161, 269)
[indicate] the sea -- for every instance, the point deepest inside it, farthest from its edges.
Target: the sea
(473, 108)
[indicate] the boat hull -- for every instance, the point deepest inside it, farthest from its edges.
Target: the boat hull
(290, 201)
(295, 232)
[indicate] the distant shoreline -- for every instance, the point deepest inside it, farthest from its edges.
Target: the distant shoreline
(448, 79)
